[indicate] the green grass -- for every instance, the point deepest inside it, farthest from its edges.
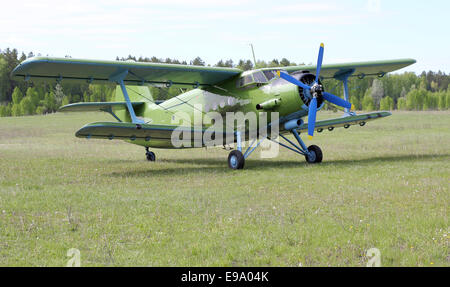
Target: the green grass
(385, 185)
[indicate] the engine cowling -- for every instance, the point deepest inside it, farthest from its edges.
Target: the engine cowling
(307, 78)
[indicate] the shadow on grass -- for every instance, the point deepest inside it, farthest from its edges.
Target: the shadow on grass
(220, 165)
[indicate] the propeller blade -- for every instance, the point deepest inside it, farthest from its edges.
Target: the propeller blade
(312, 117)
(292, 80)
(337, 101)
(319, 62)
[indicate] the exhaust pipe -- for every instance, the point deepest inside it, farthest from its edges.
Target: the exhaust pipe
(270, 104)
(293, 124)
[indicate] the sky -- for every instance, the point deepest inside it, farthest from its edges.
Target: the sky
(214, 30)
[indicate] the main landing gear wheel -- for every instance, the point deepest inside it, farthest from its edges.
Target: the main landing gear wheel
(315, 154)
(150, 155)
(236, 160)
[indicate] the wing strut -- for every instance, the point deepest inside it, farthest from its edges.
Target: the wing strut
(343, 77)
(118, 78)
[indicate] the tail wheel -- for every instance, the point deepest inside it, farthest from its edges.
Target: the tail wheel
(236, 160)
(150, 156)
(315, 154)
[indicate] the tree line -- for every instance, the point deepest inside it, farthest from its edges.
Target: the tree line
(407, 91)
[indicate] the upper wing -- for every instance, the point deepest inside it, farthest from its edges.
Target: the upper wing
(360, 69)
(94, 71)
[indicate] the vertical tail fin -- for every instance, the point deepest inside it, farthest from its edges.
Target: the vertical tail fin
(136, 94)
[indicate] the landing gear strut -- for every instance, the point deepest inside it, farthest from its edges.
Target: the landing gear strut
(236, 159)
(150, 155)
(312, 154)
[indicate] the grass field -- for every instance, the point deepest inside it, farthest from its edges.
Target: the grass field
(385, 185)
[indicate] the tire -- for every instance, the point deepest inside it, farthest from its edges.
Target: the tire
(151, 156)
(316, 154)
(236, 160)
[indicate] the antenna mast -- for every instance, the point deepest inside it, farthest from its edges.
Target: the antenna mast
(253, 52)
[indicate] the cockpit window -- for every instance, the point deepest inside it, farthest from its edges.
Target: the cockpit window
(269, 74)
(259, 77)
(256, 77)
(245, 80)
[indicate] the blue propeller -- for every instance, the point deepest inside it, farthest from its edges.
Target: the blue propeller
(319, 62)
(312, 117)
(316, 91)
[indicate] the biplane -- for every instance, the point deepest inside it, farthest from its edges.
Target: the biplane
(293, 93)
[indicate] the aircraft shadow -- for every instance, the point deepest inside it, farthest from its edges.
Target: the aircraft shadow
(214, 165)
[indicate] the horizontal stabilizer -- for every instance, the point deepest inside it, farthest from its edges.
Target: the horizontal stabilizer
(346, 121)
(112, 130)
(96, 106)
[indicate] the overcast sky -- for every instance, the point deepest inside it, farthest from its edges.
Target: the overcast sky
(214, 30)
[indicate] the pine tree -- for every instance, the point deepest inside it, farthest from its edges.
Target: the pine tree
(220, 64)
(274, 63)
(198, 62)
(229, 63)
(285, 62)
(248, 65)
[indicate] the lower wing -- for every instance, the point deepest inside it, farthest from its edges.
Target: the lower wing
(346, 121)
(163, 136)
(167, 136)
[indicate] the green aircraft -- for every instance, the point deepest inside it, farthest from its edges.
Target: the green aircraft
(292, 93)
